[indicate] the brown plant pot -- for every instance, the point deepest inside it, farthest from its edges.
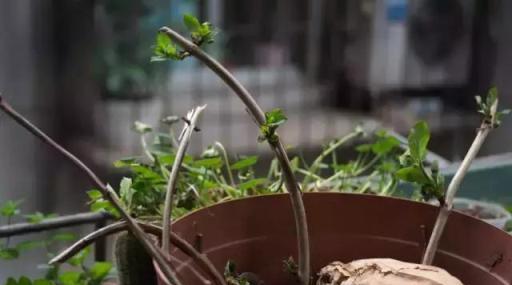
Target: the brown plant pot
(258, 233)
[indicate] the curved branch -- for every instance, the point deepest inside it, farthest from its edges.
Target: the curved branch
(173, 177)
(107, 192)
(201, 260)
(277, 147)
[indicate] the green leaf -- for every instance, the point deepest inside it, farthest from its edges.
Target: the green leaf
(126, 191)
(418, 141)
(364, 148)
(245, 162)
(94, 194)
(385, 144)
(125, 162)
(191, 22)
(24, 281)
(142, 128)
(252, 183)
(79, 258)
(35, 218)
(214, 162)
(70, 278)
(10, 208)
(229, 269)
(275, 118)
(412, 174)
(11, 281)
(9, 253)
(99, 270)
(164, 49)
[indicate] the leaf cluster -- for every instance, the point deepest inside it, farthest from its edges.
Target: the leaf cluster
(273, 119)
(79, 274)
(413, 168)
(488, 108)
(200, 33)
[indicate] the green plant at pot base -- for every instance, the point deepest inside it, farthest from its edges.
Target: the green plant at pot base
(80, 272)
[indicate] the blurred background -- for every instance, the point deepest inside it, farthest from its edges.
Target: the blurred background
(80, 70)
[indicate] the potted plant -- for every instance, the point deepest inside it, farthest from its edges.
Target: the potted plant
(258, 233)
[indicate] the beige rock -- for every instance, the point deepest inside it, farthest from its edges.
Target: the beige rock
(382, 271)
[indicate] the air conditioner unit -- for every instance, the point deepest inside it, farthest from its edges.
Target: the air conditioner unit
(420, 44)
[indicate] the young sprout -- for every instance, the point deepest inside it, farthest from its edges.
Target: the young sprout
(107, 192)
(268, 122)
(490, 120)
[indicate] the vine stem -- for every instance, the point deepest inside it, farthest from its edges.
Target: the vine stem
(316, 164)
(446, 207)
(190, 125)
(259, 116)
(201, 260)
(221, 148)
(107, 191)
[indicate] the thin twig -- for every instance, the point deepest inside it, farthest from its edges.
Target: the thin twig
(490, 121)
(190, 125)
(316, 164)
(221, 148)
(447, 206)
(201, 260)
(107, 192)
(259, 116)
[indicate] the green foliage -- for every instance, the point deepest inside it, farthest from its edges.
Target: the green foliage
(164, 49)
(413, 168)
(10, 208)
(80, 274)
(199, 32)
(488, 108)
(273, 120)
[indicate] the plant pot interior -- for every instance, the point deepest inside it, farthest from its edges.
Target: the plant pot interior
(258, 233)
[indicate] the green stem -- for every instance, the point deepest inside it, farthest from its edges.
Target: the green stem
(316, 164)
(221, 148)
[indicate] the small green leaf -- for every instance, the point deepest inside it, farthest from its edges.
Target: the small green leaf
(10, 208)
(142, 128)
(411, 174)
(191, 22)
(70, 278)
(212, 163)
(99, 270)
(252, 183)
(364, 148)
(11, 281)
(9, 253)
(245, 162)
(385, 144)
(418, 140)
(79, 258)
(126, 191)
(94, 194)
(35, 218)
(24, 281)
(164, 49)
(275, 118)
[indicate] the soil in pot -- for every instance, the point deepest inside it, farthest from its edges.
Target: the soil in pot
(258, 233)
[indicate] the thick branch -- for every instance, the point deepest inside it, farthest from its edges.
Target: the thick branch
(107, 192)
(173, 177)
(446, 208)
(259, 116)
(201, 260)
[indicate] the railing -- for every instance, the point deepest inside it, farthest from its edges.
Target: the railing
(98, 219)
